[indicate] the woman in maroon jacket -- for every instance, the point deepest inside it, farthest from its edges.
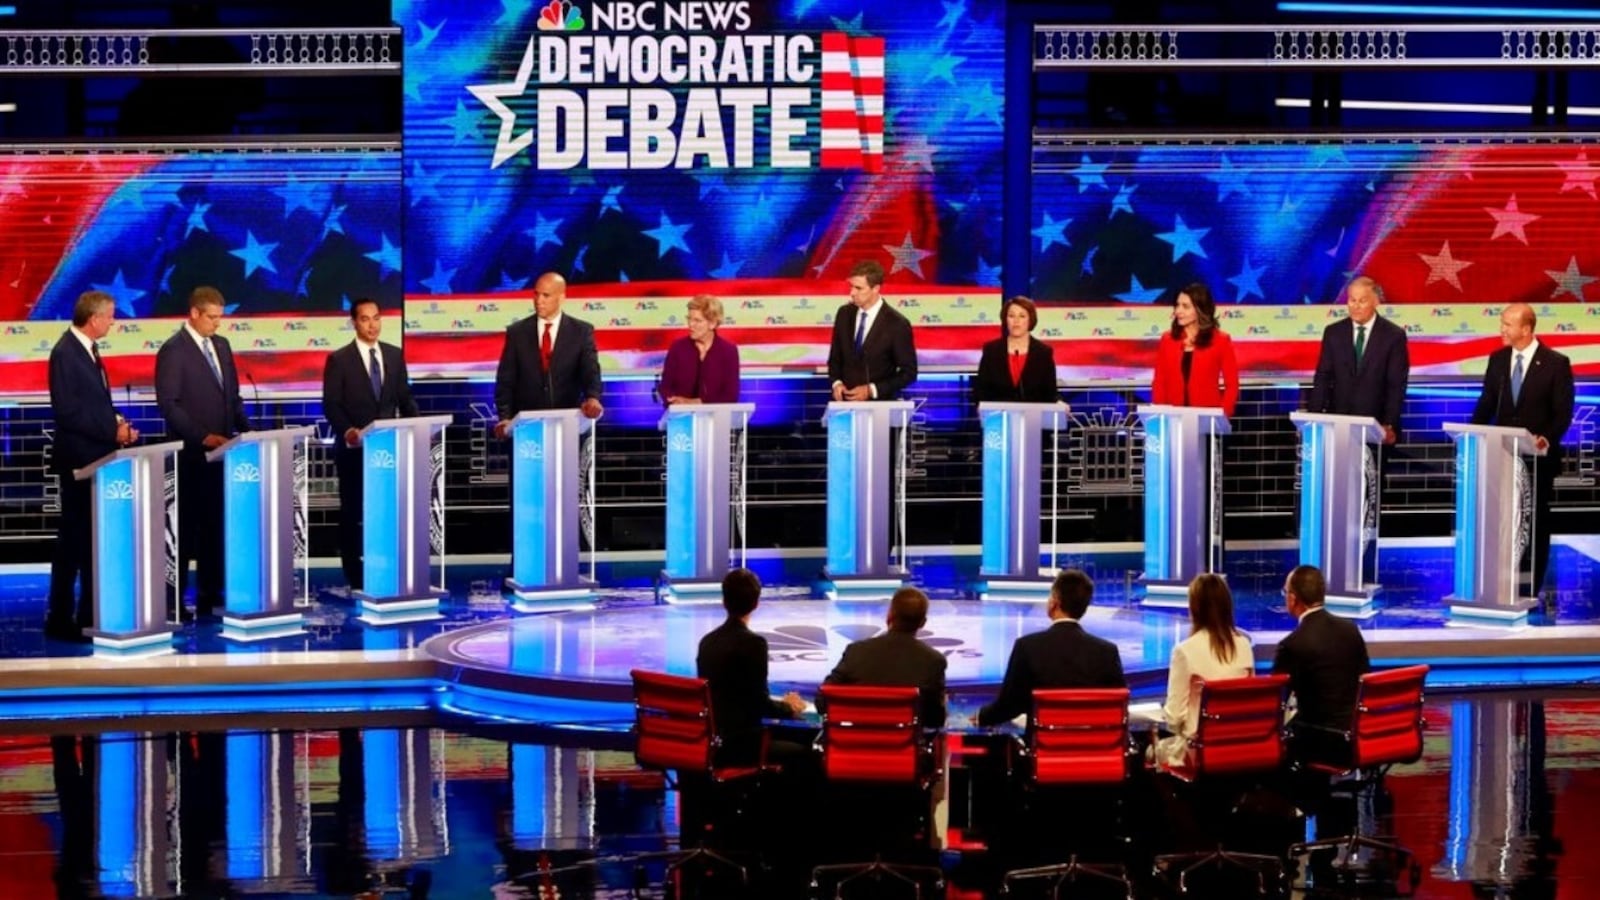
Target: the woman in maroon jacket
(1195, 365)
(701, 367)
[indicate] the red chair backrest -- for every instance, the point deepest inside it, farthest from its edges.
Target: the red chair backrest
(1241, 725)
(672, 722)
(1388, 723)
(871, 734)
(1079, 736)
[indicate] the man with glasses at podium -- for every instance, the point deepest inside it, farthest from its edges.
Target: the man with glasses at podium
(363, 381)
(1529, 385)
(549, 360)
(87, 427)
(872, 355)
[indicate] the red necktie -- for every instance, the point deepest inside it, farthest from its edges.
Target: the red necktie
(544, 348)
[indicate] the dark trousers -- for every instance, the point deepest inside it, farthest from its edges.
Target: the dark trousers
(74, 558)
(200, 528)
(1544, 488)
(347, 462)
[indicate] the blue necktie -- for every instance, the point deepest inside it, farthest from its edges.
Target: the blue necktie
(375, 371)
(211, 357)
(861, 330)
(1516, 380)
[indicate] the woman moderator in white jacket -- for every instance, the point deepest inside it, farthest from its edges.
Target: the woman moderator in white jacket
(1214, 650)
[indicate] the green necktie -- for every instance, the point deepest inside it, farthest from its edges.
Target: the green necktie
(1361, 342)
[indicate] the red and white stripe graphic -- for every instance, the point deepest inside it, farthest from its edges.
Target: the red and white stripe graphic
(852, 102)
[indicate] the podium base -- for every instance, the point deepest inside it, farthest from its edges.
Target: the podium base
(542, 598)
(422, 607)
(132, 644)
(857, 588)
(1014, 588)
(681, 591)
(1165, 594)
(1362, 604)
(262, 626)
(1509, 614)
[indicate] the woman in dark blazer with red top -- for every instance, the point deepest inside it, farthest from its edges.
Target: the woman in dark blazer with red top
(701, 367)
(1017, 367)
(1195, 365)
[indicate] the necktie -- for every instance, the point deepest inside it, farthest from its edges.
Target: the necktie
(94, 350)
(545, 347)
(211, 357)
(375, 370)
(861, 330)
(1361, 342)
(1516, 380)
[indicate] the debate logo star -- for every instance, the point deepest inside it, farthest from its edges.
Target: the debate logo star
(1184, 239)
(1138, 293)
(907, 257)
(1510, 220)
(493, 96)
(256, 255)
(668, 235)
(1570, 281)
(1444, 267)
(1052, 232)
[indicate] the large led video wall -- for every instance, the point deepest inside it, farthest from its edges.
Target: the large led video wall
(650, 151)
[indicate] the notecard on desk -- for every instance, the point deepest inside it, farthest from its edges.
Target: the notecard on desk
(1147, 711)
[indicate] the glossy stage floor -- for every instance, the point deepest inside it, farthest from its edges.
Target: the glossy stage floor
(571, 669)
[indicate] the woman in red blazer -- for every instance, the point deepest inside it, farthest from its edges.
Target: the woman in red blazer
(1195, 365)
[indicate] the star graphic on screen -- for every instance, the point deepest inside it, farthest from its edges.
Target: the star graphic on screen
(1511, 220)
(987, 275)
(1052, 232)
(984, 103)
(1087, 267)
(853, 26)
(1123, 201)
(1581, 175)
(1184, 239)
(165, 287)
(428, 34)
(1090, 174)
(422, 185)
(1248, 281)
(944, 68)
(122, 293)
(1444, 267)
(1138, 293)
(298, 194)
(493, 96)
(1570, 281)
(805, 247)
(668, 235)
(916, 154)
(543, 232)
(415, 78)
(463, 123)
(610, 200)
(439, 281)
(512, 11)
(907, 257)
(953, 13)
(387, 257)
(332, 224)
(197, 219)
(507, 283)
(303, 289)
(255, 254)
(577, 259)
(729, 268)
(710, 182)
(1229, 181)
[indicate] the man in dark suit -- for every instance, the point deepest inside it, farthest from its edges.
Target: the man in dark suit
(362, 381)
(1061, 656)
(896, 658)
(872, 356)
(734, 660)
(1364, 363)
(1529, 385)
(197, 389)
(1324, 657)
(87, 427)
(549, 361)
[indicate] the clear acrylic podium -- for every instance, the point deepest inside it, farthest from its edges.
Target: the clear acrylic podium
(1338, 504)
(858, 497)
(1494, 521)
(130, 550)
(545, 521)
(398, 485)
(700, 443)
(263, 510)
(1182, 499)
(1013, 440)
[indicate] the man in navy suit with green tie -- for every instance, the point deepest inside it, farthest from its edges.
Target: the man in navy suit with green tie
(1364, 363)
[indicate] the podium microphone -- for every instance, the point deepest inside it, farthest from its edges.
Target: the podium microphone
(255, 394)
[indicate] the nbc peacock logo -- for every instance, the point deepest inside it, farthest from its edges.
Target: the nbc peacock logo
(560, 15)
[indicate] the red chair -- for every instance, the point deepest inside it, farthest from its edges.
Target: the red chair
(674, 732)
(1386, 730)
(1076, 738)
(871, 737)
(1240, 736)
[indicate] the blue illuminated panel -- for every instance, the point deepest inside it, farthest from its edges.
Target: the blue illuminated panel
(1157, 525)
(843, 494)
(1313, 494)
(1466, 546)
(683, 524)
(246, 536)
(114, 581)
(380, 495)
